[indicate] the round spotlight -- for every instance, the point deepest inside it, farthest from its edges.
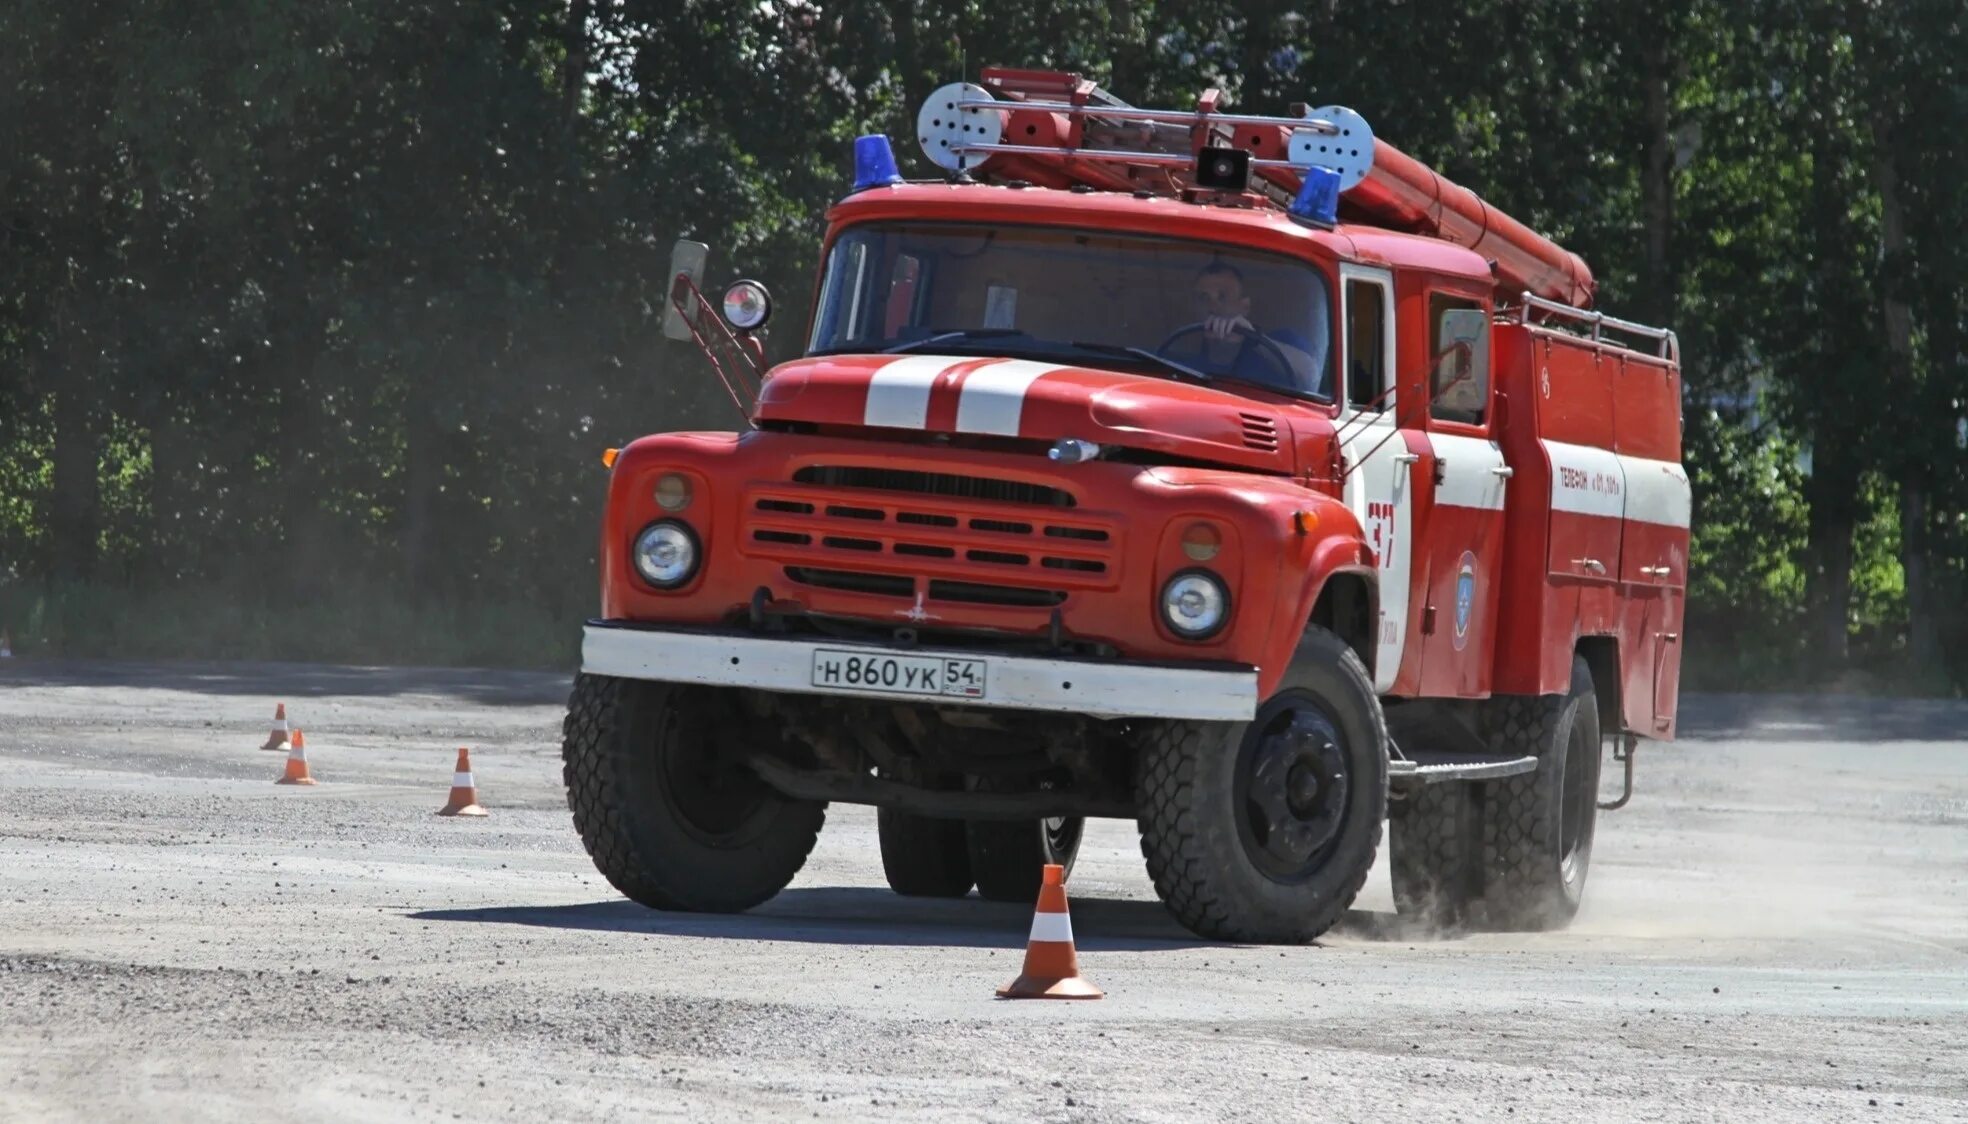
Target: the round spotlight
(747, 305)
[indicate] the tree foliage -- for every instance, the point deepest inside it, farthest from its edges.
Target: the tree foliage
(304, 302)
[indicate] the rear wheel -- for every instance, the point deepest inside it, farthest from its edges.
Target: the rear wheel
(1008, 857)
(1435, 842)
(1538, 826)
(1265, 830)
(663, 801)
(922, 856)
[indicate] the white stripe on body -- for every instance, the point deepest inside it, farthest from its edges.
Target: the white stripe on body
(1657, 492)
(1586, 480)
(993, 397)
(1467, 480)
(462, 780)
(898, 393)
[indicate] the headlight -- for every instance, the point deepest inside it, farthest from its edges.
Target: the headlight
(1195, 604)
(666, 554)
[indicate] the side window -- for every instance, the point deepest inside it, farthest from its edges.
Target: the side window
(1366, 344)
(1459, 339)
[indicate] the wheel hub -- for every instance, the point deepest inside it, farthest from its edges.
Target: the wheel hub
(704, 779)
(1297, 791)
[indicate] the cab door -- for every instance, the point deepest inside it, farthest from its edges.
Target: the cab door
(1377, 460)
(1464, 558)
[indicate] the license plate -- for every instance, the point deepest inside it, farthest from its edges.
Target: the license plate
(906, 675)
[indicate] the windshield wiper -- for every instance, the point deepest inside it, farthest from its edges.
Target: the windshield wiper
(1192, 373)
(954, 334)
(1146, 356)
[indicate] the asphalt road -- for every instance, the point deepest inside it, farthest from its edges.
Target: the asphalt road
(1776, 928)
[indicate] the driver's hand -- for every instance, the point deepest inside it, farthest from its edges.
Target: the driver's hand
(1223, 327)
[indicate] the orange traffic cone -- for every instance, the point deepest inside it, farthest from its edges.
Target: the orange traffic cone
(464, 791)
(1052, 967)
(297, 770)
(277, 739)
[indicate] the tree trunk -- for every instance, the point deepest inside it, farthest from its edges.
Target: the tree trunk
(78, 452)
(1129, 75)
(1260, 41)
(902, 21)
(1657, 184)
(574, 70)
(1923, 627)
(1830, 492)
(1837, 328)
(423, 474)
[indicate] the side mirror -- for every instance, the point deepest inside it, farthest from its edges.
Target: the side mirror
(686, 259)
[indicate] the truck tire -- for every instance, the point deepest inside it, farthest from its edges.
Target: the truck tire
(1264, 831)
(1538, 826)
(1435, 842)
(667, 811)
(923, 857)
(1008, 857)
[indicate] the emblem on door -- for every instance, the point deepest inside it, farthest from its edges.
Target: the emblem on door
(1465, 597)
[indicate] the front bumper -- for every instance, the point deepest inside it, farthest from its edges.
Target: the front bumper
(786, 665)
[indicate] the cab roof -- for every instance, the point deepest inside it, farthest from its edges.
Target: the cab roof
(1257, 226)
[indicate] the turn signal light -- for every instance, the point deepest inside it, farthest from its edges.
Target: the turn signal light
(608, 457)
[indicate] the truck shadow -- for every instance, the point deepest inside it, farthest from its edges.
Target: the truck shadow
(862, 916)
(867, 916)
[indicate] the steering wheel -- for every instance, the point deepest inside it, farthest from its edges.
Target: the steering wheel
(1283, 361)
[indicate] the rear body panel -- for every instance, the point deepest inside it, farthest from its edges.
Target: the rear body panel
(1598, 519)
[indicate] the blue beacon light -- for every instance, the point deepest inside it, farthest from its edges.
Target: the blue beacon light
(1318, 197)
(874, 163)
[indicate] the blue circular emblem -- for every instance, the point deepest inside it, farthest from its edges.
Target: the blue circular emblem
(1465, 597)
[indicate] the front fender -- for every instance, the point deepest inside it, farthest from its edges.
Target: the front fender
(1312, 535)
(1339, 546)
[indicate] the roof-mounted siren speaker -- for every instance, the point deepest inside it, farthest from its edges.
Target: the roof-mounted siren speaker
(1335, 161)
(945, 125)
(1223, 169)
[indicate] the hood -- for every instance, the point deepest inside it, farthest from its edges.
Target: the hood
(1033, 400)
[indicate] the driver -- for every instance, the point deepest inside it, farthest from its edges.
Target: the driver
(1223, 307)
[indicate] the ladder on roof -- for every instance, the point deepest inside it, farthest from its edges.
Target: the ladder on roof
(1060, 130)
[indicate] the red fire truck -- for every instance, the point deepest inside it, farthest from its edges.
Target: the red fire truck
(1235, 475)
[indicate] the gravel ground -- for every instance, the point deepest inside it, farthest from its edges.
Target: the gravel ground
(1776, 928)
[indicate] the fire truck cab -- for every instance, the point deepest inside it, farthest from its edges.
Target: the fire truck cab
(1235, 475)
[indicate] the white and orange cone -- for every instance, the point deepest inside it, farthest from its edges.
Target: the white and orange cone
(1052, 966)
(297, 769)
(277, 738)
(464, 790)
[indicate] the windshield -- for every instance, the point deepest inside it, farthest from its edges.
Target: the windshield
(1082, 297)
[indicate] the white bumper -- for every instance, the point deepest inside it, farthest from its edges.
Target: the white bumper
(1108, 690)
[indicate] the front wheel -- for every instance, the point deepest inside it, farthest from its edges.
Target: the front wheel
(668, 811)
(1265, 830)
